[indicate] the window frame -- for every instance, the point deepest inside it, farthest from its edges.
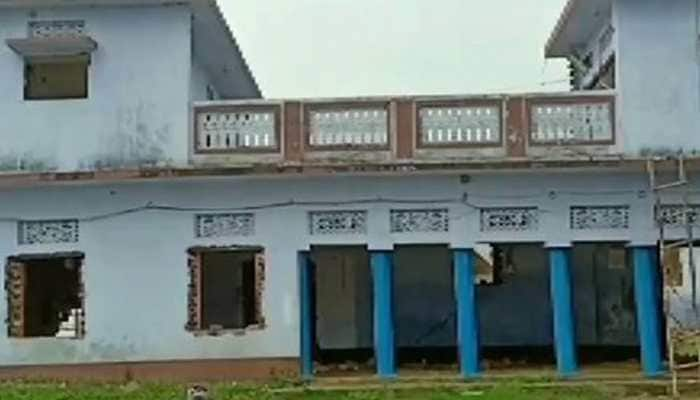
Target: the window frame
(195, 266)
(16, 291)
(85, 68)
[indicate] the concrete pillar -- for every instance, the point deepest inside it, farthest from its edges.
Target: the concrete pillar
(384, 338)
(467, 313)
(647, 289)
(563, 311)
(306, 321)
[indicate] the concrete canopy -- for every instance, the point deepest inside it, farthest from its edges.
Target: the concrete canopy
(33, 48)
(579, 21)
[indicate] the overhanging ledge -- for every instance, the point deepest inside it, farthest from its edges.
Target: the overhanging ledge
(37, 48)
(34, 179)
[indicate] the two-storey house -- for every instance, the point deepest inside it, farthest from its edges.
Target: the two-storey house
(159, 219)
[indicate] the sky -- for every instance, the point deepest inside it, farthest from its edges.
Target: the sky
(339, 48)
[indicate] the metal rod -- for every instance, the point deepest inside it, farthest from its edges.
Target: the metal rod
(689, 220)
(671, 185)
(675, 245)
(691, 365)
(670, 345)
(651, 168)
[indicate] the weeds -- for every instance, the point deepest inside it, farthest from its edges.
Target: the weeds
(133, 391)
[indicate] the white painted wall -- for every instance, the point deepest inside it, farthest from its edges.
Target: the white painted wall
(136, 275)
(138, 107)
(658, 73)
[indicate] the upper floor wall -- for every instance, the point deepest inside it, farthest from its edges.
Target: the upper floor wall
(136, 109)
(658, 73)
(149, 62)
(649, 51)
(155, 71)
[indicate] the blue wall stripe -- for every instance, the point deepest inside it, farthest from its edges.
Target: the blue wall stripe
(306, 315)
(647, 281)
(564, 313)
(384, 341)
(467, 313)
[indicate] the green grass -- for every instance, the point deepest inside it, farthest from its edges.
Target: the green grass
(17, 391)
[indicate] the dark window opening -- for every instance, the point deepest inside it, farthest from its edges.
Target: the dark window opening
(515, 309)
(495, 265)
(606, 77)
(45, 296)
(588, 60)
(674, 262)
(211, 93)
(604, 301)
(56, 79)
(342, 306)
(425, 307)
(226, 289)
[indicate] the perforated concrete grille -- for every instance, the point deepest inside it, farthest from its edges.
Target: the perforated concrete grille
(56, 29)
(220, 130)
(359, 127)
(337, 222)
(585, 122)
(48, 232)
(599, 217)
(419, 221)
(509, 219)
(224, 225)
(672, 215)
(460, 125)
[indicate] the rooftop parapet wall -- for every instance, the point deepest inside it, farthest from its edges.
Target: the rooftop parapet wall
(449, 134)
(406, 129)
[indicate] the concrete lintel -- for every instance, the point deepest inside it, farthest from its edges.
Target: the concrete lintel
(463, 246)
(641, 243)
(381, 246)
(305, 248)
(558, 245)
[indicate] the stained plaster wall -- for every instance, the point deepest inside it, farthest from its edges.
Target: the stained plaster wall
(137, 109)
(425, 308)
(658, 75)
(135, 268)
(343, 288)
(604, 295)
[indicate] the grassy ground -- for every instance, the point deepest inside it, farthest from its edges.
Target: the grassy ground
(17, 391)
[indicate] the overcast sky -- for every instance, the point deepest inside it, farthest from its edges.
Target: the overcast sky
(334, 48)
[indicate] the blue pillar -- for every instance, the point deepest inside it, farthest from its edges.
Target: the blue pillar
(647, 289)
(467, 313)
(306, 321)
(384, 346)
(564, 313)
